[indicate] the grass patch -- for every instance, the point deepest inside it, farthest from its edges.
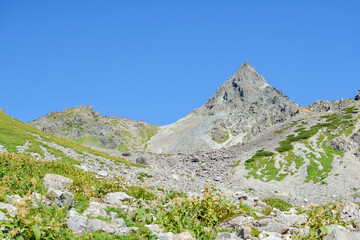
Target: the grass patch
(278, 203)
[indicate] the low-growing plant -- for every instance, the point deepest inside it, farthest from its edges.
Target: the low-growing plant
(278, 203)
(199, 215)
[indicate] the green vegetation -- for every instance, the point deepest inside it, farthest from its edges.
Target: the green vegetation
(15, 133)
(318, 217)
(143, 175)
(262, 166)
(329, 127)
(278, 203)
(220, 135)
(235, 164)
(199, 215)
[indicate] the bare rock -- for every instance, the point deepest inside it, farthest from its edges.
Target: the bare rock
(116, 198)
(57, 182)
(227, 236)
(96, 210)
(337, 232)
(183, 236)
(76, 222)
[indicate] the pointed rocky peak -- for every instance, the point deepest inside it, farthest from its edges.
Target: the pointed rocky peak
(244, 89)
(247, 73)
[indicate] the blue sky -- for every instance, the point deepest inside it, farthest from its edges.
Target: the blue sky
(158, 60)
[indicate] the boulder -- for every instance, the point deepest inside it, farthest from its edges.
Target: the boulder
(120, 222)
(9, 211)
(57, 182)
(155, 228)
(356, 138)
(13, 199)
(116, 198)
(113, 216)
(337, 232)
(141, 160)
(66, 200)
(227, 236)
(183, 236)
(94, 225)
(96, 210)
(164, 236)
(357, 97)
(270, 225)
(76, 222)
(61, 199)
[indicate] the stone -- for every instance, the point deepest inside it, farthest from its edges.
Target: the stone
(245, 233)
(227, 236)
(76, 222)
(10, 211)
(357, 97)
(242, 195)
(66, 200)
(113, 215)
(155, 228)
(95, 210)
(116, 198)
(183, 236)
(126, 231)
(120, 222)
(337, 232)
(2, 110)
(57, 182)
(271, 225)
(141, 160)
(356, 138)
(13, 199)
(94, 225)
(61, 199)
(164, 236)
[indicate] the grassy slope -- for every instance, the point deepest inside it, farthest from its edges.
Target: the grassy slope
(262, 166)
(15, 133)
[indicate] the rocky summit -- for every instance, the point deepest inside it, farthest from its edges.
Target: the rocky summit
(249, 164)
(241, 108)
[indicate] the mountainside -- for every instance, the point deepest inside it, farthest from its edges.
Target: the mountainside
(241, 108)
(59, 189)
(84, 125)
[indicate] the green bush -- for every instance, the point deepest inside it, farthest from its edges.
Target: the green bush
(199, 215)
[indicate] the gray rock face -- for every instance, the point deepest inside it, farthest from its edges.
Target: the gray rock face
(325, 106)
(241, 108)
(56, 182)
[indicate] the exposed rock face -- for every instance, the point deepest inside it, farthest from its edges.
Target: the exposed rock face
(241, 108)
(87, 126)
(325, 106)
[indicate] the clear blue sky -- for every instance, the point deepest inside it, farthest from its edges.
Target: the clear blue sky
(157, 60)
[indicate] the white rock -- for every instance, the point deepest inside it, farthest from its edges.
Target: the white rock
(57, 182)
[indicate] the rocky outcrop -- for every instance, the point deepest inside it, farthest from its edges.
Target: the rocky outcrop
(241, 108)
(87, 126)
(326, 106)
(357, 97)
